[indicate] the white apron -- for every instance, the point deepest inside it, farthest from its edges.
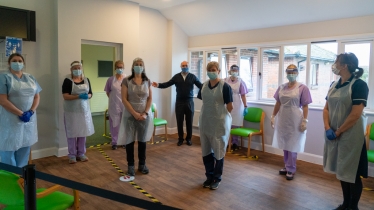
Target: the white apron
(130, 128)
(237, 112)
(342, 156)
(77, 113)
(115, 102)
(14, 133)
(214, 121)
(287, 134)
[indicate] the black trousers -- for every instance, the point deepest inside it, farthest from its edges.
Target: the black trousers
(213, 167)
(182, 109)
(141, 153)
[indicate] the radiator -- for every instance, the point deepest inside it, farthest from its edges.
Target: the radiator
(99, 102)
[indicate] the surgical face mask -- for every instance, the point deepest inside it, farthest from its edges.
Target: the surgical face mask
(291, 77)
(234, 74)
(335, 70)
(185, 69)
(77, 72)
(119, 71)
(16, 66)
(138, 69)
(212, 75)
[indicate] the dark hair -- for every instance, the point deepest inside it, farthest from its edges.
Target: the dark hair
(234, 66)
(351, 61)
(144, 76)
(14, 55)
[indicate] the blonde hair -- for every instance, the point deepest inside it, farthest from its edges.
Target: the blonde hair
(118, 62)
(213, 63)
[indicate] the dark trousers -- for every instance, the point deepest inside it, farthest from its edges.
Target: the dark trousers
(184, 108)
(213, 167)
(141, 153)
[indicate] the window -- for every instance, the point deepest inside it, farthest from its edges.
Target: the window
(248, 71)
(322, 57)
(296, 55)
(196, 66)
(269, 72)
(229, 58)
(362, 52)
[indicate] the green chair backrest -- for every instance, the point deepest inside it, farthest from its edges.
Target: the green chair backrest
(153, 107)
(371, 134)
(254, 114)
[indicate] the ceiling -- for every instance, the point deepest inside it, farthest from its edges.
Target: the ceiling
(201, 17)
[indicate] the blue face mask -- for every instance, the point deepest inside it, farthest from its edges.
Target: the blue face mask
(16, 66)
(138, 69)
(212, 75)
(291, 77)
(234, 74)
(119, 71)
(185, 69)
(77, 72)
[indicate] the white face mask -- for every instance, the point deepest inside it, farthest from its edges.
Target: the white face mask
(335, 70)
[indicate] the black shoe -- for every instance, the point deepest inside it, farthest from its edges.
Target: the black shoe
(214, 185)
(283, 171)
(341, 207)
(123, 146)
(207, 183)
(234, 147)
(180, 142)
(114, 147)
(143, 169)
(189, 142)
(130, 170)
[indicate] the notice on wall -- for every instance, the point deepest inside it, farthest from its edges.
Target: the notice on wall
(13, 45)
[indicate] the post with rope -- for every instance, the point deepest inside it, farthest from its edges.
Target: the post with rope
(29, 187)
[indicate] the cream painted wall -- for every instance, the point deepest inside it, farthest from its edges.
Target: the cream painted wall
(341, 27)
(91, 54)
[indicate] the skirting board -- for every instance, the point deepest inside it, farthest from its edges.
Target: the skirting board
(36, 154)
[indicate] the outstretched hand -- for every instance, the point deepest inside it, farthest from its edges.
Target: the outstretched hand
(154, 84)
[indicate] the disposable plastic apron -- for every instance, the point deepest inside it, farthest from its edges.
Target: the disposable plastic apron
(115, 102)
(341, 156)
(287, 134)
(132, 129)
(215, 121)
(78, 119)
(237, 111)
(15, 134)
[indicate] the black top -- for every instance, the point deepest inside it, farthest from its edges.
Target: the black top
(226, 90)
(184, 87)
(67, 86)
(360, 90)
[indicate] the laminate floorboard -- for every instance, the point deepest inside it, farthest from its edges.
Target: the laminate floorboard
(177, 173)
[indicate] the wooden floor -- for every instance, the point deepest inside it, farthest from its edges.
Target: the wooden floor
(177, 173)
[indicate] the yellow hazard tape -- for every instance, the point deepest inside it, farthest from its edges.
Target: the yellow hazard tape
(244, 157)
(367, 189)
(123, 174)
(99, 145)
(107, 136)
(157, 142)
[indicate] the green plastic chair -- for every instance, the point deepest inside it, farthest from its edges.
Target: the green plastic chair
(12, 196)
(254, 115)
(370, 136)
(158, 122)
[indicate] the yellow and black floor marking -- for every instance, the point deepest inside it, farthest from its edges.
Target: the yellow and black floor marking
(244, 157)
(161, 141)
(109, 137)
(123, 174)
(367, 189)
(98, 145)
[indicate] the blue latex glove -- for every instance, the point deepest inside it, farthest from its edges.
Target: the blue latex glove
(26, 116)
(83, 96)
(330, 134)
(245, 112)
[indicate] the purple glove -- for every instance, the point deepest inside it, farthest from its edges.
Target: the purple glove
(330, 134)
(26, 116)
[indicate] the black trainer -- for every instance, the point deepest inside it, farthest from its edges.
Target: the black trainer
(130, 170)
(234, 147)
(180, 142)
(114, 147)
(189, 142)
(143, 169)
(283, 171)
(341, 207)
(207, 183)
(214, 185)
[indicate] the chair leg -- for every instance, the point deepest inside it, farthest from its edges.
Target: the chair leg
(249, 145)
(229, 150)
(76, 200)
(154, 131)
(166, 133)
(241, 141)
(263, 142)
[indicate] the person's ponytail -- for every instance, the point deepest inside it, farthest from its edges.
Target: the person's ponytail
(359, 72)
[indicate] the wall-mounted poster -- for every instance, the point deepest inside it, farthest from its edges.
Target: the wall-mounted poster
(13, 45)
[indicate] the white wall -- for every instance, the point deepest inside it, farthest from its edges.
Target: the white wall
(319, 30)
